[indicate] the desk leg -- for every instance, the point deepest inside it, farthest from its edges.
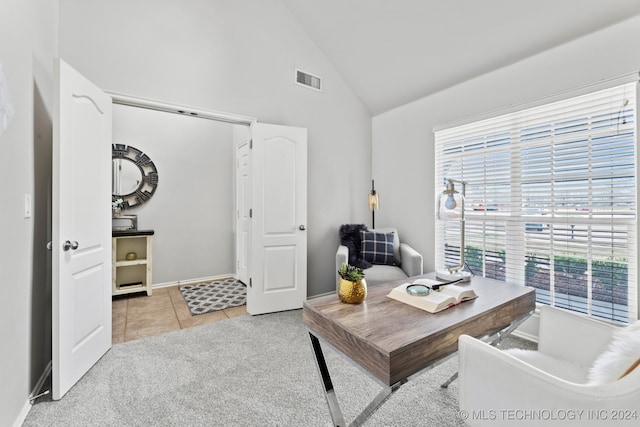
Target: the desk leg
(449, 381)
(494, 340)
(376, 403)
(506, 331)
(329, 392)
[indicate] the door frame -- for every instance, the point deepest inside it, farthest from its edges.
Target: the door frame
(184, 110)
(241, 140)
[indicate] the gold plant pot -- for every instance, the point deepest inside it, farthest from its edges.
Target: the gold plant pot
(352, 292)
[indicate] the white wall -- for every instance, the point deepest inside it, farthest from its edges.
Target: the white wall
(28, 43)
(406, 181)
(236, 56)
(191, 211)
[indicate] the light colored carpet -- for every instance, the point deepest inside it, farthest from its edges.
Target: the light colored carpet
(244, 371)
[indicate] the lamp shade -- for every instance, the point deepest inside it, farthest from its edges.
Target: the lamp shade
(450, 204)
(374, 202)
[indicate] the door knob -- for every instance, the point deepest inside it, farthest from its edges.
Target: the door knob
(302, 228)
(70, 245)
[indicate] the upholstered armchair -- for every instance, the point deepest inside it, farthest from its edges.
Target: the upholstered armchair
(584, 373)
(379, 252)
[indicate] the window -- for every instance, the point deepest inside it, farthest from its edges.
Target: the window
(550, 200)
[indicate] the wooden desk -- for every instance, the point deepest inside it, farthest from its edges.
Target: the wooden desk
(392, 340)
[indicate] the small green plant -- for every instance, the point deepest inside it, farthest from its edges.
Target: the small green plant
(351, 272)
(116, 202)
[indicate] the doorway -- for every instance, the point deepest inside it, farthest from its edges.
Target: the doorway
(191, 211)
(191, 214)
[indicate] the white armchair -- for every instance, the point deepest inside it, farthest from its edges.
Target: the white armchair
(408, 262)
(558, 384)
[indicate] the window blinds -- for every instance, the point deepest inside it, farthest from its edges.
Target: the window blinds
(550, 200)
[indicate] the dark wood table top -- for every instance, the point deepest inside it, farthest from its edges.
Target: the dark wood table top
(393, 340)
(126, 233)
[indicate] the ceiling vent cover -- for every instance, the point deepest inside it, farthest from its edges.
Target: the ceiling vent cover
(308, 80)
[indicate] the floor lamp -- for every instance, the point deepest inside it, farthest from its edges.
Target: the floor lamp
(450, 207)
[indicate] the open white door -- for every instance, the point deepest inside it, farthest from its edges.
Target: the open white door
(278, 173)
(81, 214)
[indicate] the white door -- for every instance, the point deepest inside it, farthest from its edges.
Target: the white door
(278, 266)
(81, 241)
(243, 202)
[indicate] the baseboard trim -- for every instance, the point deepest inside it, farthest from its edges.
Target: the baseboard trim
(23, 414)
(192, 281)
(321, 295)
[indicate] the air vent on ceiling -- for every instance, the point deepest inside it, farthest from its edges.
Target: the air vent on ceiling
(308, 80)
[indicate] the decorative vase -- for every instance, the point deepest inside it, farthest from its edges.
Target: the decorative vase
(352, 292)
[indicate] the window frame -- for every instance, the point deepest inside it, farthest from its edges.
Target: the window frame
(513, 221)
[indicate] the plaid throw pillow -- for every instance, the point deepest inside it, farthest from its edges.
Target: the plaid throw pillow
(377, 248)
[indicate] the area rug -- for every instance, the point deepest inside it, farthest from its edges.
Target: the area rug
(213, 296)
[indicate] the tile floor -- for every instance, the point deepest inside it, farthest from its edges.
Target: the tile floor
(138, 315)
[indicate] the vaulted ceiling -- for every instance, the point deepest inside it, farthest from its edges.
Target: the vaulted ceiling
(392, 52)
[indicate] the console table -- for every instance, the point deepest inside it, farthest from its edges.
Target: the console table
(134, 274)
(392, 341)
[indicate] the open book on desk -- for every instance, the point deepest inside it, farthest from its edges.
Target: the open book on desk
(435, 301)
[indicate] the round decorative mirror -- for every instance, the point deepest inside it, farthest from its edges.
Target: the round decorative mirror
(135, 177)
